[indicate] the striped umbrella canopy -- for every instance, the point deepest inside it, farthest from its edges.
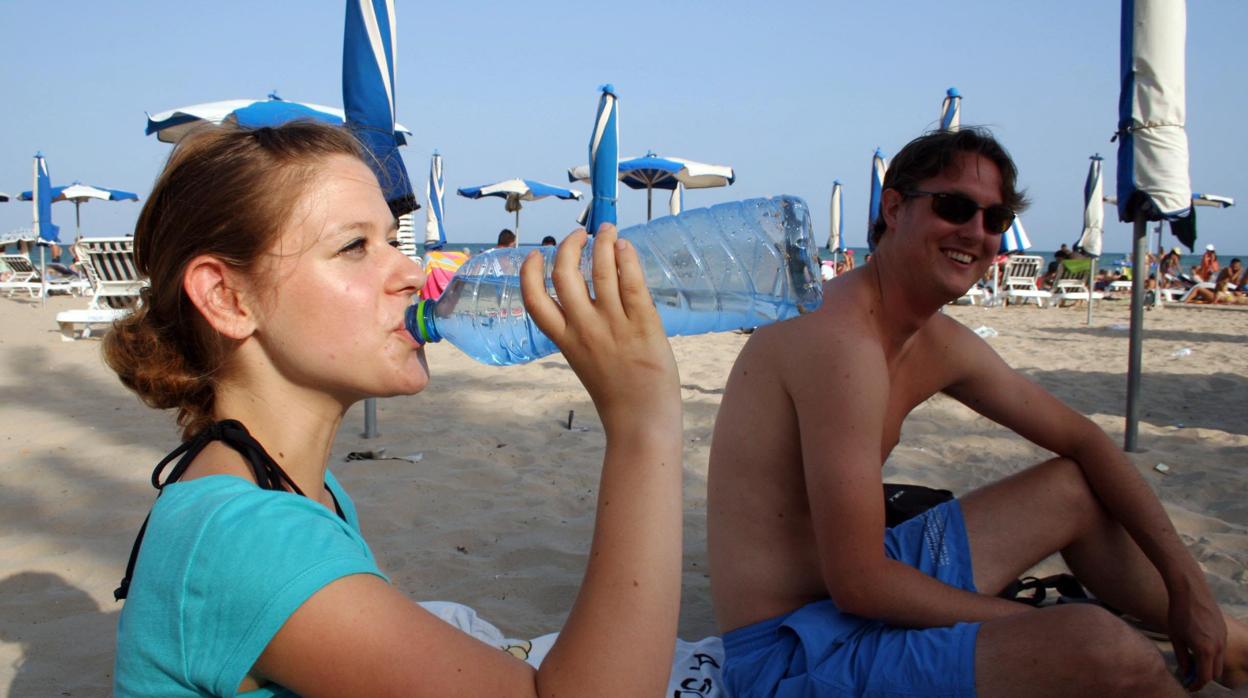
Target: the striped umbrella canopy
(653, 171)
(951, 110)
(1093, 210)
(435, 197)
(836, 227)
(171, 126)
(515, 191)
(879, 166)
(368, 91)
(604, 160)
(1153, 181)
(80, 194)
(1015, 239)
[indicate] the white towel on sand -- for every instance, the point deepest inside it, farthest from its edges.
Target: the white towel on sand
(695, 666)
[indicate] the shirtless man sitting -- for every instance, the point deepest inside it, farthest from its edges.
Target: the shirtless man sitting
(1226, 289)
(817, 598)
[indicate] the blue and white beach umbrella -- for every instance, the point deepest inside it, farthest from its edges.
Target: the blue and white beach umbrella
(1093, 211)
(604, 160)
(1214, 200)
(951, 110)
(514, 191)
(836, 228)
(652, 172)
(368, 91)
(171, 126)
(879, 166)
(1015, 239)
(435, 198)
(79, 194)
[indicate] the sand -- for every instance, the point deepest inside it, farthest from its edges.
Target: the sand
(497, 511)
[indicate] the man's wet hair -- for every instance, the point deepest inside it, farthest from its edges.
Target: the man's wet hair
(932, 153)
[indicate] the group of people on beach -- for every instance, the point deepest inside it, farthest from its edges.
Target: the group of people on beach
(277, 300)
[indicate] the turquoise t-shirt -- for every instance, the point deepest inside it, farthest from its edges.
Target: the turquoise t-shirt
(222, 566)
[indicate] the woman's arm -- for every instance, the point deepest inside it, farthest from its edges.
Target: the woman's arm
(359, 636)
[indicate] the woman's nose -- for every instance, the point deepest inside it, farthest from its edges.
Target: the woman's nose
(408, 275)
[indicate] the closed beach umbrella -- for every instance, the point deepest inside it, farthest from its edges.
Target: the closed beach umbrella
(836, 227)
(653, 171)
(604, 160)
(676, 202)
(170, 126)
(368, 91)
(879, 166)
(951, 110)
(515, 191)
(45, 231)
(1153, 182)
(1093, 222)
(3, 197)
(435, 197)
(80, 194)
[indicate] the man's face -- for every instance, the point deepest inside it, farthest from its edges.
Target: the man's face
(955, 255)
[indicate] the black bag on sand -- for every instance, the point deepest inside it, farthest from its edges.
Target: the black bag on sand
(904, 502)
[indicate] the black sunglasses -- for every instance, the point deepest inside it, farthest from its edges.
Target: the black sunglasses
(959, 208)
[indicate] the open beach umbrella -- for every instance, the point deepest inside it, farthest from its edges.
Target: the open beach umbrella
(368, 91)
(1153, 182)
(515, 191)
(604, 160)
(1214, 200)
(80, 194)
(1089, 241)
(435, 198)
(879, 166)
(652, 172)
(170, 126)
(951, 110)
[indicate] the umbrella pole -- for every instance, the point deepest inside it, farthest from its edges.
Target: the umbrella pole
(77, 222)
(517, 224)
(1139, 271)
(43, 275)
(649, 201)
(1091, 289)
(370, 418)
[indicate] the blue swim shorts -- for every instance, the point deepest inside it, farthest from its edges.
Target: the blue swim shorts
(817, 651)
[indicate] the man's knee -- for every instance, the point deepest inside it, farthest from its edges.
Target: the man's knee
(1074, 495)
(1116, 659)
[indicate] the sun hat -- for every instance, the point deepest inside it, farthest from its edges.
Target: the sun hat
(1176, 249)
(1209, 247)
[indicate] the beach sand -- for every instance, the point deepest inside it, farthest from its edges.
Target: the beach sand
(497, 512)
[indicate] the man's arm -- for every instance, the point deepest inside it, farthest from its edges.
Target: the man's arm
(842, 414)
(991, 388)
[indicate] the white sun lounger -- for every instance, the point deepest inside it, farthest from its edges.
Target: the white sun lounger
(1020, 280)
(115, 284)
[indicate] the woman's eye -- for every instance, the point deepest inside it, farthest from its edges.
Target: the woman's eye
(354, 247)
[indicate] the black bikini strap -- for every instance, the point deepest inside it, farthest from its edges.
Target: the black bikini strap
(269, 475)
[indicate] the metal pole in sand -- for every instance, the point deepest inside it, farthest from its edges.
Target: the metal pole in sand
(1139, 269)
(370, 418)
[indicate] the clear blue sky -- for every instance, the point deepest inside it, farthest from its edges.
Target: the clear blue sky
(791, 96)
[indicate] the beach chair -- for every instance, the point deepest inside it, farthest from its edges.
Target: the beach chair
(18, 275)
(115, 283)
(1021, 274)
(1072, 282)
(23, 275)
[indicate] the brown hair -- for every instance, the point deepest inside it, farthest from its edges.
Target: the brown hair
(226, 192)
(932, 153)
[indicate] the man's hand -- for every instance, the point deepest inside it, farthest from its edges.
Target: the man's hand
(1198, 633)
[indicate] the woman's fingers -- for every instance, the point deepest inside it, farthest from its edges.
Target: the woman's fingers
(606, 278)
(567, 277)
(541, 307)
(634, 295)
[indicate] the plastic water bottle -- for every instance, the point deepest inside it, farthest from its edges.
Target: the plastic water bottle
(736, 265)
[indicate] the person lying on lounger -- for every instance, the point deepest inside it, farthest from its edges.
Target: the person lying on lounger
(815, 595)
(277, 301)
(1227, 289)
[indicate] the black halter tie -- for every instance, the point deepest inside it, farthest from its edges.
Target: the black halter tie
(269, 475)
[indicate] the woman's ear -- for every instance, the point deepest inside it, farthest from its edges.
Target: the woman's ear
(217, 291)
